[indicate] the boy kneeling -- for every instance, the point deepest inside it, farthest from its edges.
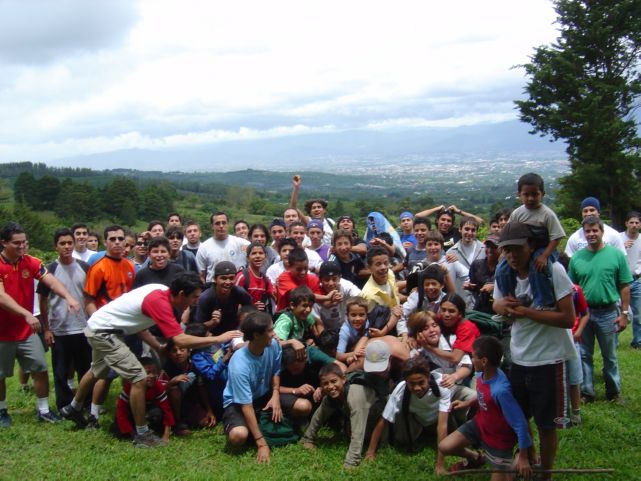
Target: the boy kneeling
(253, 385)
(498, 423)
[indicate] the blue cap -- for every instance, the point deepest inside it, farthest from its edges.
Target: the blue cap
(406, 214)
(315, 223)
(591, 202)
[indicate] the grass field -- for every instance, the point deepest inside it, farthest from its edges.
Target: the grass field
(30, 450)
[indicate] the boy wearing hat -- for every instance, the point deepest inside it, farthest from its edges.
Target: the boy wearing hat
(590, 206)
(541, 311)
(359, 399)
(315, 234)
(218, 305)
(407, 230)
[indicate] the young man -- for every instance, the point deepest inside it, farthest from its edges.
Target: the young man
(192, 234)
(218, 306)
(134, 313)
(174, 220)
(285, 246)
(63, 330)
(481, 283)
(183, 257)
(296, 230)
(160, 270)
(590, 206)
(220, 247)
(407, 230)
(632, 243)
(603, 273)
(464, 252)
(542, 313)
(253, 385)
(277, 231)
(381, 290)
(80, 235)
(18, 326)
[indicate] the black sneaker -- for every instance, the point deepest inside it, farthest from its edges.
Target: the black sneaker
(71, 414)
(92, 422)
(5, 419)
(148, 440)
(49, 417)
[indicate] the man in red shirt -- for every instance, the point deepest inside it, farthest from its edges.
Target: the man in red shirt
(18, 326)
(132, 313)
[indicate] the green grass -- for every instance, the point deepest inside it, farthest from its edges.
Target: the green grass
(30, 450)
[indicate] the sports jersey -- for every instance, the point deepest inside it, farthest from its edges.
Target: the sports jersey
(108, 279)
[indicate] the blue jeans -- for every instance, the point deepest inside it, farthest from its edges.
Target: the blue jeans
(635, 307)
(601, 325)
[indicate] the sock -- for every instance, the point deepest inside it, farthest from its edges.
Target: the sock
(576, 411)
(72, 383)
(42, 403)
(77, 406)
(95, 410)
(3, 404)
(140, 430)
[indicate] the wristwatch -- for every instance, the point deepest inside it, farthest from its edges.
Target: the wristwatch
(625, 313)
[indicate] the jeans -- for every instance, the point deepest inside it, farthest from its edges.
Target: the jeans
(601, 325)
(635, 307)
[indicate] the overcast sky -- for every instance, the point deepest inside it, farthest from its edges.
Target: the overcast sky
(90, 76)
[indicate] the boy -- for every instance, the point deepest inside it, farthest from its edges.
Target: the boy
(315, 234)
(381, 290)
(632, 243)
(534, 213)
(332, 313)
(541, 313)
(464, 253)
(417, 252)
(296, 275)
(253, 385)
(297, 324)
(160, 269)
(360, 402)
(498, 423)
(159, 413)
(352, 266)
(182, 257)
(296, 230)
(285, 246)
(407, 230)
(354, 331)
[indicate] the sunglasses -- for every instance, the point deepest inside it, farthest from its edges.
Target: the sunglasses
(114, 239)
(141, 243)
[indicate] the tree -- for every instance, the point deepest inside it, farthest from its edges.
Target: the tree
(25, 188)
(582, 89)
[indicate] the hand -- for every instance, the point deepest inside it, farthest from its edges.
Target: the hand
(577, 336)
(49, 339)
(621, 322)
(228, 336)
(488, 287)
(336, 296)
(501, 305)
(373, 332)
(629, 243)
(451, 257)
(454, 209)
(73, 305)
(448, 380)
(299, 349)
(397, 311)
(180, 378)
(263, 454)
(259, 305)
(215, 318)
(274, 405)
(523, 466)
(468, 286)
(459, 405)
(318, 395)
(209, 421)
(541, 262)
(33, 322)
(296, 181)
(305, 390)
(421, 339)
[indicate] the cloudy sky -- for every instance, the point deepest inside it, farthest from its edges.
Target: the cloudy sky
(83, 77)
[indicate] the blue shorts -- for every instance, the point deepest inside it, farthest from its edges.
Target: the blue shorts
(498, 458)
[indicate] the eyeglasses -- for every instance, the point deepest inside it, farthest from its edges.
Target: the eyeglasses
(114, 239)
(175, 237)
(141, 243)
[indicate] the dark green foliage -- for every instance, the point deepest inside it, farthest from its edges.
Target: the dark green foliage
(582, 89)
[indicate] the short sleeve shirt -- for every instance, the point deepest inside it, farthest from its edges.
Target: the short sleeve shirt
(425, 409)
(109, 279)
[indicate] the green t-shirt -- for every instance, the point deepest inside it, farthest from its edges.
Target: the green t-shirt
(288, 327)
(600, 274)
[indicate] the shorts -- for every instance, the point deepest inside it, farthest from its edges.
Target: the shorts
(110, 351)
(29, 353)
(542, 393)
(233, 414)
(498, 458)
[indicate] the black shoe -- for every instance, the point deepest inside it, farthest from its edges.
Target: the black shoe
(635, 346)
(92, 422)
(615, 399)
(587, 399)
(71, 414)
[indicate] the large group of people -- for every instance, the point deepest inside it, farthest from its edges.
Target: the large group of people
(276, 330)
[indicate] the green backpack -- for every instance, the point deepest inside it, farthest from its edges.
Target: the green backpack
(277, 434)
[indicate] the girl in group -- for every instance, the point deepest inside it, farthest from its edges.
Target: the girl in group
(253, 280)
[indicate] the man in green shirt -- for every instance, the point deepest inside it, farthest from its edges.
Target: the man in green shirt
(602, 272)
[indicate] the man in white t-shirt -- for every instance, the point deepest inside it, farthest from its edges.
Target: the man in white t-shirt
(632, 244)
(220, 247)
(577, 241)
(80, 235)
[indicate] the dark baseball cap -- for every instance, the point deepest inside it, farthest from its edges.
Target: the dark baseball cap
(224, 268)
(515, 234)
(492, 239)
(329, 268)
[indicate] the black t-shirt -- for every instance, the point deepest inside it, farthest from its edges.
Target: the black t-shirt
(480, 275)
(208, 303)
(315, 360)
(164, 276)
(351, 268)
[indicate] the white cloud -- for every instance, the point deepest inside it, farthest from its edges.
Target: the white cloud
(192, 72)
